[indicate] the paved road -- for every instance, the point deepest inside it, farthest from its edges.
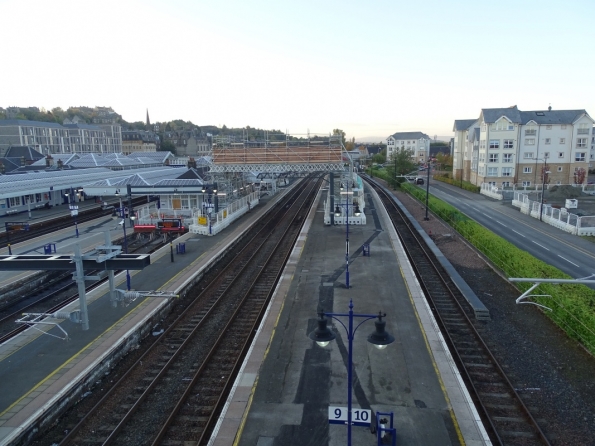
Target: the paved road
(569, 253)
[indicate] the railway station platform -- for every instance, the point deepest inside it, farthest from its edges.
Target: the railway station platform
(40, 369)
(287, 382)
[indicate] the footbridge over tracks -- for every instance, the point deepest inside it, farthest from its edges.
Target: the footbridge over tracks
(299, 155)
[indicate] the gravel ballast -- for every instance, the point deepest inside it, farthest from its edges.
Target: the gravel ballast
(552, 373)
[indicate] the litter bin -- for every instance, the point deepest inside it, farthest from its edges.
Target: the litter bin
(49, 248)
(181, 248)
(366, 249)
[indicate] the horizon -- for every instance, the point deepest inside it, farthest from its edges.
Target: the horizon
(307, 67)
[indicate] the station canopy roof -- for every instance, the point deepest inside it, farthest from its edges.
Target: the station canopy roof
(91, 180)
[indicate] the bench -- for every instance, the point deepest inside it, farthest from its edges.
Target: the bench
(12, 211)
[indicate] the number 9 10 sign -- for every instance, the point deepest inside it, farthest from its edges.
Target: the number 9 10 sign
(359, 417)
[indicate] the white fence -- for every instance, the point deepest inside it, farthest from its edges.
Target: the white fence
(561, 218)
(211, 224)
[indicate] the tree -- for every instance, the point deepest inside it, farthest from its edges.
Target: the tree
(350, 144)
(340, 133)
(580, 175)
(402, 162)
(379, 158)
(167, 146)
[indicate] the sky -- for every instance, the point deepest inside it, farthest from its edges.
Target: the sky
(371, 68)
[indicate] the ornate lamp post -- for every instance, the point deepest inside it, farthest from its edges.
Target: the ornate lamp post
(380, 338)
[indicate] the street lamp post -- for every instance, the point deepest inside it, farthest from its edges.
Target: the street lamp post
(380, 338)
(123, 223)
(356, 212)
(74, 210)
(426, 218)
(545, 172)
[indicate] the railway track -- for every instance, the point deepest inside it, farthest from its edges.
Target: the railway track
(60, 292)
(52, 225)
(174, 393)
(505, 415)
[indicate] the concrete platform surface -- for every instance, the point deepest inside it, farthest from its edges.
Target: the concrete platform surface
(286, 386)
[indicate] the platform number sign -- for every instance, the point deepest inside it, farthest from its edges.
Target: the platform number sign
(359, 417)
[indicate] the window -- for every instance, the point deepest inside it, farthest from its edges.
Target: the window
(508, 144)
(548, 140)
(546, 154)
(507, 171)
(579, 156)
(494, 143)
(548, 127)
(560, 154)
(482, 144)
(15, 201)
(562, 140)
(482, 157)
(502, 124)
(583, 129)
(559, 168)
(493, 158)
(526, 183)
(527, 169)
(529, 141)
(528, 155)
(530, 131)
(507, 158)
(563, 127)
(581, 143)
(505, 183)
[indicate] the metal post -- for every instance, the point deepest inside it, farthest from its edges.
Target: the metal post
(426, 218)
(29, 207)
(110, 275)
(8, 239)
(347, 236)
(80, 281)
(543, 188)
(126, 250)
(349, 372)
(332, 195)
(171, 250)
(130, 210)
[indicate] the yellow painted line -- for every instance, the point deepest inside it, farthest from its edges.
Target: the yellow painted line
(428, 348)
(72, 358)
(266, 353)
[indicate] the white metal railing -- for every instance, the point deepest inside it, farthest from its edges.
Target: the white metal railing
(560, 218)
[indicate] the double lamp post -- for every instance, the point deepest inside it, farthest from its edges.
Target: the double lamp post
(123, 223)
(380, 338)
(356, 213)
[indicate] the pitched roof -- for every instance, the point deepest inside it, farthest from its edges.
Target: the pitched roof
(9, 122)
(410, 135)
(491, 115)
(463, 124)
(29, 153)
(552, 116)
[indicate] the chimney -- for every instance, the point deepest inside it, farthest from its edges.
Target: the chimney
(49, 161)
(22, 160)
(549, 108)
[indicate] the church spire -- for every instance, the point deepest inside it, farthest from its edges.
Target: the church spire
(148, 124)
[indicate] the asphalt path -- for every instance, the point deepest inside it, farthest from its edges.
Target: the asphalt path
(569, 253)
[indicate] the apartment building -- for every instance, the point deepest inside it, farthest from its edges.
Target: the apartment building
(138, 141)
(51, 138)
(418, 142)
(506, 145)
